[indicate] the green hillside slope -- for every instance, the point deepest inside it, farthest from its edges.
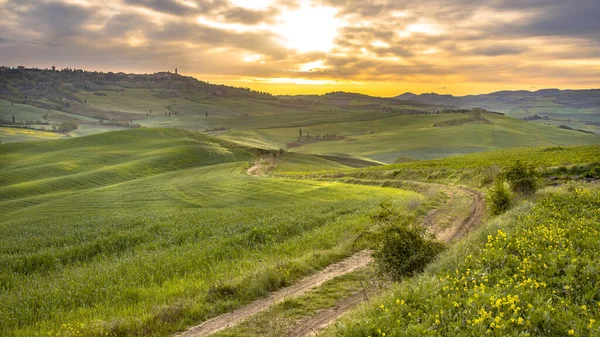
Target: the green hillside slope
(144, 232)
(415, 137)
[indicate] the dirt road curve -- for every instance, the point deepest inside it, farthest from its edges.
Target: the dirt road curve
(218, 323)
(312, 325)
(468, 224)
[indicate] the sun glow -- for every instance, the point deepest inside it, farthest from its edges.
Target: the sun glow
(309, 28)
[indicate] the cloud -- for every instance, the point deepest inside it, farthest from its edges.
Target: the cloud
(426, 41)
(499, 50)
(57, 20)
(250, 17)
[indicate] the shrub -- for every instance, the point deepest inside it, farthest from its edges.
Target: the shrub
(499, 198)
(403, 247)
(405, 250)
(522, 178)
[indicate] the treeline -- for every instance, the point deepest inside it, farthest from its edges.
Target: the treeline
(534, 118)
(130, 125)
(566, 127)
(64, 127)
(461, 121)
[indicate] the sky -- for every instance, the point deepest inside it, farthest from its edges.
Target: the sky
(375, 47)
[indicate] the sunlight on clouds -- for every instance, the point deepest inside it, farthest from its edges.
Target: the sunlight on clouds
(380, 44)
(400, 14)
(188, 3)
(301, 81)
(318, 45)
(251, 58)
(136, 39)
(312, 66)
(309, 28)
(430, 51)
(236, 27)
(424, 28)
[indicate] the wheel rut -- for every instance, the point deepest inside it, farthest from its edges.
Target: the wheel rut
(350, 264)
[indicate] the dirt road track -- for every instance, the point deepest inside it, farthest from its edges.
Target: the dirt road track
(312, 325)
(218, 323)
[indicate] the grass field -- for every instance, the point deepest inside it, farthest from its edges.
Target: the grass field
(476, 169)
(146, 231)
(273, 124)
(415, 137)
(21, 135)
(531, 272)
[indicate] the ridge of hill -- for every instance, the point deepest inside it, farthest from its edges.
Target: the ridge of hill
(570, 107)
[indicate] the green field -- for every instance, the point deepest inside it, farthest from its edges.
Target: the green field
(415, 137)
(21, 135)
(144, 224)
(274, 123)
(147, 231)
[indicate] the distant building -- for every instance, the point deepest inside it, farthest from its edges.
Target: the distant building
(53, 68)
(20, 67)
(3, 68)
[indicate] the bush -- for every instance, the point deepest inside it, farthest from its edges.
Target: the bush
(522, 178)
(403, 247)
(67, 126)
(499, 198)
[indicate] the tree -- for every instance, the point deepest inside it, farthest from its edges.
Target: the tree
(300, 133)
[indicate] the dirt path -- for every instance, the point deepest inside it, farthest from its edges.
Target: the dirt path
(218, 323)
(468, 224)
(312, 325)
(262, 166)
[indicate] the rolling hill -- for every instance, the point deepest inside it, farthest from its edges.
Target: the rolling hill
(413, 136)
(145, 231)
(579, 108)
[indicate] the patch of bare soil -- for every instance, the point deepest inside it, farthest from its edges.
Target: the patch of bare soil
(233, 318)
(262, 166)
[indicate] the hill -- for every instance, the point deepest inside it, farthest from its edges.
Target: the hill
(145, 231)
(76, 102)
(413, 136)
(577, 108)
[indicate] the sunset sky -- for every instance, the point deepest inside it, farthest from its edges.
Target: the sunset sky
(375, 47)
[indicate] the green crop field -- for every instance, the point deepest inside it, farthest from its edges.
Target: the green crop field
(415, 137)
(147, 231)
